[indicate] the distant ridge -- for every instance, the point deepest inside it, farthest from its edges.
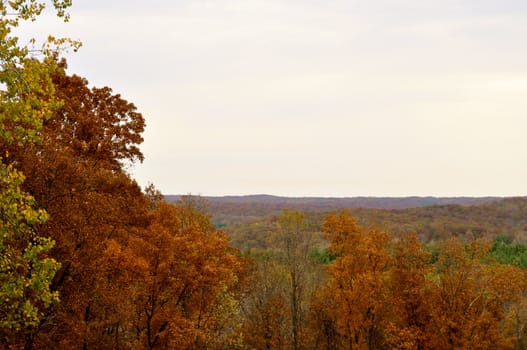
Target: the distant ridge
(248, 219)
(272, 203)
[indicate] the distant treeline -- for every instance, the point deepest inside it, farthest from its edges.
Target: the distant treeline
(247, 220)
(262, 205)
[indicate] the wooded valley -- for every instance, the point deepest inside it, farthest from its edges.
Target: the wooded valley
(90, 260)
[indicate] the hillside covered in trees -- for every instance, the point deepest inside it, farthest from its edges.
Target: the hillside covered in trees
(90, 260)
(234, 209)
(248, 219)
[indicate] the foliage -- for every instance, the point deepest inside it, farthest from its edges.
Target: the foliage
(504, 251)
(75, 174)
(356, 282)
(390, 294)
(247, 225)
(28, 95)
(265, 311)
(186, 299)
(26, 100)
(25, 272)
(136, 272)
(321, 255)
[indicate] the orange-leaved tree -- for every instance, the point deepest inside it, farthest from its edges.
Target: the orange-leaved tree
(356, 285)
(409, 311)
(187, 299)
(76, 174)
(469, 298)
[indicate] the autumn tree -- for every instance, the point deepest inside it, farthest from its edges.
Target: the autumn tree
(76, 173)
(25, 270)
(26, 101)
(265, 310)
(187, 299)
(355, 286)
(292, 240)
(409, 313)
(470, 298)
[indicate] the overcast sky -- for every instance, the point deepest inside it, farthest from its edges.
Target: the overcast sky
(317, 97)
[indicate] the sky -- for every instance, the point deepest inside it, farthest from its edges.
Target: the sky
(316, 97)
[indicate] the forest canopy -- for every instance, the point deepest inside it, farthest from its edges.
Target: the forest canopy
(89, 259)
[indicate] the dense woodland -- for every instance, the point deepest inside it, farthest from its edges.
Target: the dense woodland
(89, 260)
(247, 219)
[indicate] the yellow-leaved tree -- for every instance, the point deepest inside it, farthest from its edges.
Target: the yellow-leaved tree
(26, 100)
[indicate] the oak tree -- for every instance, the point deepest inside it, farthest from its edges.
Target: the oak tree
(356, 283)
(76, 174)
(187, 298)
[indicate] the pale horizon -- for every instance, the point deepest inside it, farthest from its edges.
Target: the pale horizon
(316, 98)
